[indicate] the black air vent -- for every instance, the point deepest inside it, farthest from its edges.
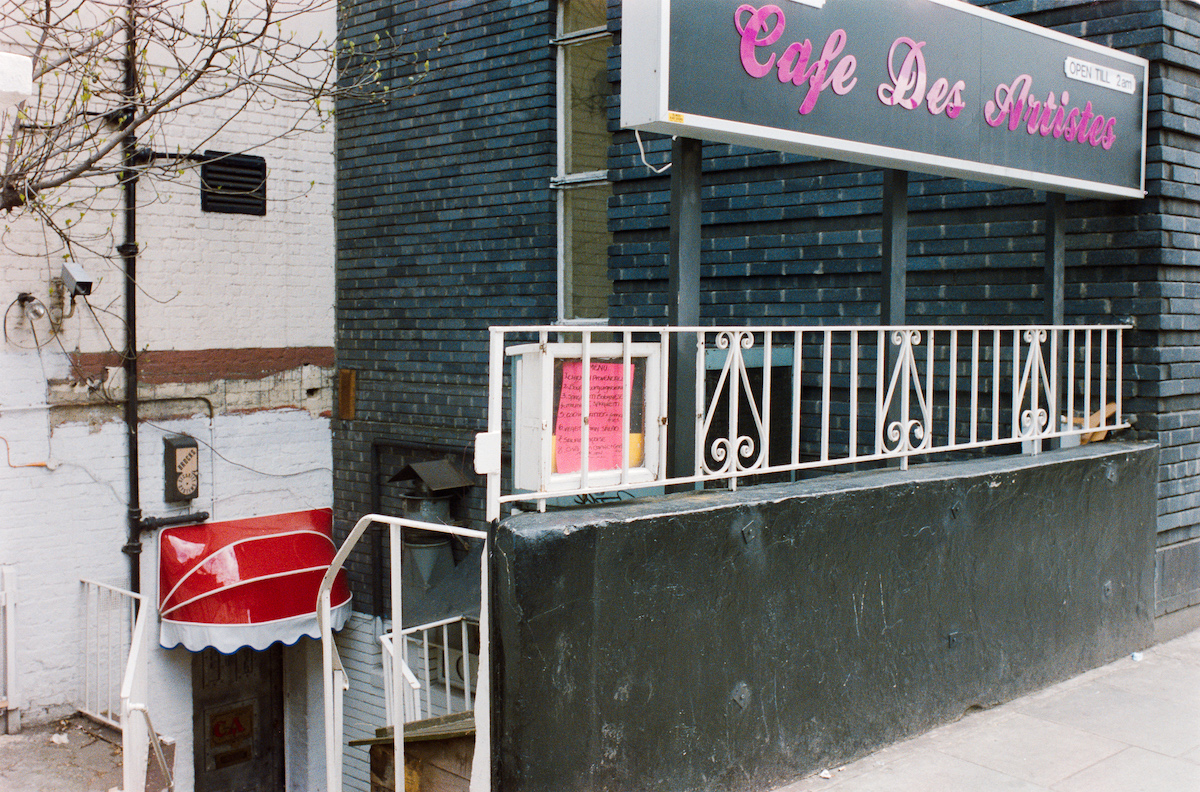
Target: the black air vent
(233, 184)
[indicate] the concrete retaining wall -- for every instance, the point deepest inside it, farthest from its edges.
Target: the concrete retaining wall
(724, 641)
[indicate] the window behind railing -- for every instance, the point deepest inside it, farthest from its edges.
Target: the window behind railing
(581, 180)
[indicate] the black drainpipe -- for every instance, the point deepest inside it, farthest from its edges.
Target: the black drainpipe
(129, 250)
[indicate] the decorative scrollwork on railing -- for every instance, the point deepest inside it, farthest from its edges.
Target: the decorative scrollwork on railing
(727, 337)
(735, 451)
(719, 450)
(1035, 335)
(1028, 418)
(830, 396)
(905, 432)
(906, 436)
(1036, 394)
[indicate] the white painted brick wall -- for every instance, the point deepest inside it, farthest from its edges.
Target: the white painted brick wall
(61, 524)
(239, 277)
(205, 281)
(364, 702)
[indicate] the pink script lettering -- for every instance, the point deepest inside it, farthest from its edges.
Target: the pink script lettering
(1014, 104)
(764, 26)
(908, 83)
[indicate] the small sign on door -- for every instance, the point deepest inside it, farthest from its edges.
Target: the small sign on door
(231, 735)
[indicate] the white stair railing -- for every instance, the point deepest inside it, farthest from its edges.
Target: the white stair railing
(160, 752)
(410, 694)
(10, 708)
(446, 676)
(137, 730)
(336, 681)
(117, 678)
(109, 616)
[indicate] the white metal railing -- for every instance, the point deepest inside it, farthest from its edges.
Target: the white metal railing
(137, 731)
(447, 670)
(116, 627)
(336, 681)
(409, 693)
(135, 777)
(117, 677)
(587, 411)
(109, 619)
(10, 708)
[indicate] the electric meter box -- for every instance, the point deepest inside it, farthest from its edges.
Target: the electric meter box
(624, 415)
(181, 468)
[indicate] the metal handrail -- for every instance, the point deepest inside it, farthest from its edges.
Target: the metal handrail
(422, 646)
(135, 685)
(9, 706)
(156, 741)
(414, 684)
(334, 678)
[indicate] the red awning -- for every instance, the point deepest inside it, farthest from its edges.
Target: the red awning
(246, 582)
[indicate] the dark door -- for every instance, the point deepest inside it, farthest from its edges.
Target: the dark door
(238, 712)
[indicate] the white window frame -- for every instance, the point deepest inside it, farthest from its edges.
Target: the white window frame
(563, 180)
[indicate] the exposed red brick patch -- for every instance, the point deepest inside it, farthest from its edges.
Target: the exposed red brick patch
(203, 365)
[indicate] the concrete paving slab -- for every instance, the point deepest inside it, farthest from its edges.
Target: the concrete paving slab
(1034, 750)
(1162, 677)
(1151, 722)
(923, 772)
(69, 755)
(1135, 770)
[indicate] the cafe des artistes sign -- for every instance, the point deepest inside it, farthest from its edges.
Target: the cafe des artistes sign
(934, 86)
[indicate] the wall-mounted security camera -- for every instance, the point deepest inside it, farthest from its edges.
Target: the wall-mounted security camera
(76, 279)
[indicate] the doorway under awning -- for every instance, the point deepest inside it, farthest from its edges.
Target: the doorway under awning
(250, 582)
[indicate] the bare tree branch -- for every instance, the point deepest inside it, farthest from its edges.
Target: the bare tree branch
(231, 54)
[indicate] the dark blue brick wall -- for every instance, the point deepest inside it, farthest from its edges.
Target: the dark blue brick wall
(445, 226)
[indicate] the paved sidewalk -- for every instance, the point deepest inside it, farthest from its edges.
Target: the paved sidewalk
(67, 755)
(1131, 726)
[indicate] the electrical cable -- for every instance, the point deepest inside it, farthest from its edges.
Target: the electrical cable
(99, 324)
(221, 456)
(102, 387)
(38, 347)
(8, 454)
(83, 377)
(54, 464)
(117, 497)
(6, 310)
(642, 149)
(19, 301)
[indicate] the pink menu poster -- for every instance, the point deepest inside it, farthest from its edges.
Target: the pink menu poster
(604, 422)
